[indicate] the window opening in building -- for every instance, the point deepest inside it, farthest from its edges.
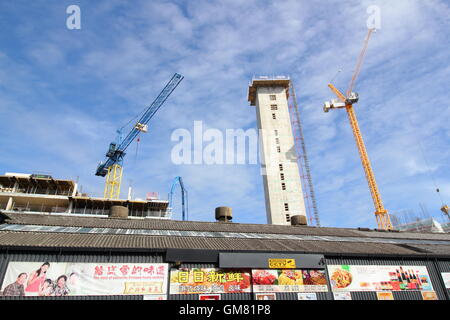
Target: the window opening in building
(273, 97)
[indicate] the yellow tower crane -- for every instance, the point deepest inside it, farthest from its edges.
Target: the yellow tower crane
(381, 214)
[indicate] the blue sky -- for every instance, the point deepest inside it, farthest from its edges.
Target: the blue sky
(63, 93)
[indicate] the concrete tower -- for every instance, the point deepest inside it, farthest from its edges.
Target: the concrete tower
(282, 186)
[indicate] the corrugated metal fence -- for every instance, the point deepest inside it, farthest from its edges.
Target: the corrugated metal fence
(434, 267)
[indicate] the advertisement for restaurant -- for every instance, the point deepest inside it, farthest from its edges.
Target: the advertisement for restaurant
(379, 278)
(209, 280)
(293, 280)
(70, 279)
(446, 279)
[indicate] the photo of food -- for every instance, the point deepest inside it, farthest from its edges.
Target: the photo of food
(314, 277)
(290, 277)
(265, 277)
(265, 296)
(386, 295)
(429, 295)
(289, 280)
(341, 278)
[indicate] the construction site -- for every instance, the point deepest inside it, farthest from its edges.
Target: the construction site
(116, 247)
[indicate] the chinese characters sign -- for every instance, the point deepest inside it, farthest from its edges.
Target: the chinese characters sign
(379, 278)
(60, 278)
(208, 280)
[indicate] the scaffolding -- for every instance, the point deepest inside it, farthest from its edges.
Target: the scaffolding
(34, 185)
(43, 194)
(302, 159)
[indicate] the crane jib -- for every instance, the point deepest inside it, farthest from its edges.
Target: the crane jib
(118, 154)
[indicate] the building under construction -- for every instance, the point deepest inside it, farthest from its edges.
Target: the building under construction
(280, 171)
(31, 193)
(58, 243)
(90, 250)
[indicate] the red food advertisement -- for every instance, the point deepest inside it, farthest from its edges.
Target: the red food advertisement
(289, 280)
(209, 280)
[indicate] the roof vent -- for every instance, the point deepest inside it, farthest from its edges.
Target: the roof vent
(299, 220)
(118, 212)
(224, 214)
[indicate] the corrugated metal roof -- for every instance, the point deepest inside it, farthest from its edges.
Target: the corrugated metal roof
(110, 242)
(315, 240)
(157, 224)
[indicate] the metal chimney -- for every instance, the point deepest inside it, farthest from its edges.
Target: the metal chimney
(224, 214)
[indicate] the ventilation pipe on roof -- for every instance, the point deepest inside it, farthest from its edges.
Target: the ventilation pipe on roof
(118, 212)
(298, 220)
(224, 214)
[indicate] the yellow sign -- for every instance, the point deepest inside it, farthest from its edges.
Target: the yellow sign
(282, 264)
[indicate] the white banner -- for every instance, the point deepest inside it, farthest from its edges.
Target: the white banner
(446, 278)
(67, 278)
(378, 278)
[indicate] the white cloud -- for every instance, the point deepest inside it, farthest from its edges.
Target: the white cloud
(106, 74)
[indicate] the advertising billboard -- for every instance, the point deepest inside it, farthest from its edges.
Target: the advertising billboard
(378, 278)
(209, 280)
(69, 279)
(292, 280)
(446, 279)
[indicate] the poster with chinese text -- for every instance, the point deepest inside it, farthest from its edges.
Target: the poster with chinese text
(70, 279)
(209, 280)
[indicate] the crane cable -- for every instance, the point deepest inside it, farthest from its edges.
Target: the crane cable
(359, 62)
(426, 163)
(139, 115)
(431, 173)
(137, 148)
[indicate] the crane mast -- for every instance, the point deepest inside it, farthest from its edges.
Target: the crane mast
(184, 197)
(381, 214)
